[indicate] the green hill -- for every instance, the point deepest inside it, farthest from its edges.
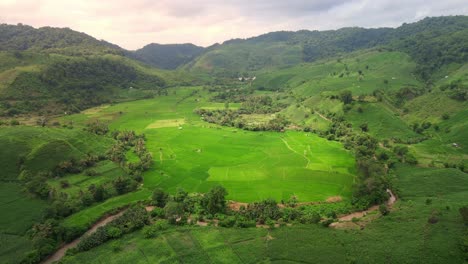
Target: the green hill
(431, 42)
(53, 40)
(168, 56)
(54, 70)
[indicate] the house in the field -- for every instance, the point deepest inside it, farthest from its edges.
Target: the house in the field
(455, 145)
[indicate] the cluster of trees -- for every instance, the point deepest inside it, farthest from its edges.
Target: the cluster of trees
(183, 208)
(177, 208)
(73, 84)
(36, 184)
(97, 127)
(229, 94)
(371, 161)
(234, 118)
(127, 140)
(260, 105)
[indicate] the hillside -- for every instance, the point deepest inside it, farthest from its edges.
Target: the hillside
(50, 71)
(53, 40)
(432, 42)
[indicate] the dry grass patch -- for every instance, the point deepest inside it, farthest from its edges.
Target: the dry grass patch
(166, 123)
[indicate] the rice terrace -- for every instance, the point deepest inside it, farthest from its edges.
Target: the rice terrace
(345, 145)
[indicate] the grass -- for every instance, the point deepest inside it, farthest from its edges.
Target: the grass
(13, 246)
(19, 211)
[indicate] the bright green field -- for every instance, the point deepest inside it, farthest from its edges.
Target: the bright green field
(195, 155)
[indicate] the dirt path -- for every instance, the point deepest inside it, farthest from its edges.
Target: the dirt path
(322, 116)
(58, 255)
(349, 217)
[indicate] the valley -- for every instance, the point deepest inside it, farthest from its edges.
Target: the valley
(342, 146)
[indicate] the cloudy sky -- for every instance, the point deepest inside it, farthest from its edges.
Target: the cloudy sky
(134, 23)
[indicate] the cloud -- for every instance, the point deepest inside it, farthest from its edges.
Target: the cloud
(133, 24)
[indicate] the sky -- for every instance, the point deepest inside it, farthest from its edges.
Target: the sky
(132, 24)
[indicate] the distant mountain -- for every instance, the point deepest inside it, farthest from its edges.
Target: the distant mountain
(432, 42)
(57, 40)
(168, 56)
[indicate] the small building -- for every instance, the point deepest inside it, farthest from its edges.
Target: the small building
(455, 145)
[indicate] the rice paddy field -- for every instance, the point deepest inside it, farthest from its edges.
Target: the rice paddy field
(195, 155)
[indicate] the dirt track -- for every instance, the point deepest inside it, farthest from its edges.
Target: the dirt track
(58, 255)
(349, 217)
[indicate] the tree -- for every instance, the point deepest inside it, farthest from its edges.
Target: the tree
(160, 197)
(346, 97)
(173, 211)
(180, 195)
(364, 127)
(215, 200)
(98, 194)
(123, 185)
(383, 209)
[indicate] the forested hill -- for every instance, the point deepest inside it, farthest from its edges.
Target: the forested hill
(168, 56)
(54, 70)
(57, 40)
(432, 42)
(69, 42)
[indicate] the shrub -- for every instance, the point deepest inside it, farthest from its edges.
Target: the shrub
(14, 122)
(93, 240)
(150, 231)
(157, 212)
(383, 209)
(160, 197)
(113, 232)
(227, 222)
(310, 218)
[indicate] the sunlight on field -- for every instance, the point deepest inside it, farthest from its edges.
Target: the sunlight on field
(166, 123)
